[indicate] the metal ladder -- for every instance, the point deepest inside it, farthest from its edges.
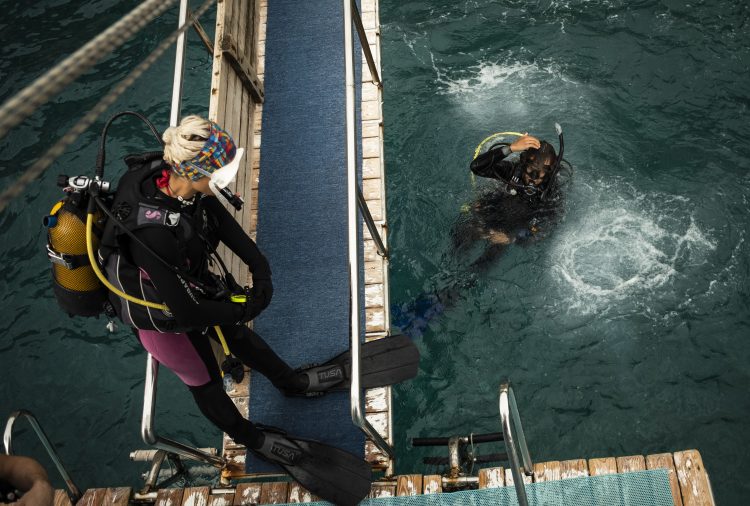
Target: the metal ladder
(515, 441)
(73, 490)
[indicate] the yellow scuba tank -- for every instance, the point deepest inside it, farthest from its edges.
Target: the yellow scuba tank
(77, 288)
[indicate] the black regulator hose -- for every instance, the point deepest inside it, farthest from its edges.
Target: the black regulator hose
(101, 156)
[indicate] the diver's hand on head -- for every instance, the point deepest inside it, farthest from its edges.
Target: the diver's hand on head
(525, 142)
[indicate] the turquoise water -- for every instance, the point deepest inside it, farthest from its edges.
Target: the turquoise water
(624, 331)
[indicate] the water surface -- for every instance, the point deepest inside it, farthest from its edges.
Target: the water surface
(625, 329)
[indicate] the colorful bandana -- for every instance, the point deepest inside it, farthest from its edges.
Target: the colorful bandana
(218, 150)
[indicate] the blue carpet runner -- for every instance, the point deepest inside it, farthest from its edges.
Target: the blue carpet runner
(302, 216)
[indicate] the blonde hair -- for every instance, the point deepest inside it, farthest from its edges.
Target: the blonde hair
(177, 144)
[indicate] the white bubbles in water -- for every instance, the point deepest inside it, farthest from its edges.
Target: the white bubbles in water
(514, 87)
(627, 251)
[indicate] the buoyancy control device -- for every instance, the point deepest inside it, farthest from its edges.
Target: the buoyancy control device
(80, 221)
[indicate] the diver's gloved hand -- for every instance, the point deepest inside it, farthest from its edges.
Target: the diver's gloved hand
(261, 292)
(258, 299)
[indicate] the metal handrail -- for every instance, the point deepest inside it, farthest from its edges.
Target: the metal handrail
(355, 391)
(147, 425)
(362, 204)
(510, 420)
(365, 44)
(75, 493)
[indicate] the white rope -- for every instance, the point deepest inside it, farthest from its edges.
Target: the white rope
(28, 100)
(84, 123)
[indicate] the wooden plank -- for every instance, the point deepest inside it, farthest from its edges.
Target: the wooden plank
(235, 460)
(370, 110)
(376, 399)
(371, 147)
(374, 296)
(117, 496)
(665, 461)
(220, 68)
(372, 189)
(299, 494)
(509, 478)
(274, 493)
(694, 484)
(631, 463)
(92, 497)
(375, 320)
(382, 490)
(602, 466)
(491, 477)
(432, 484)
(226, 499)
(373, 272)
(371, 168)
(61, 498)
(409, 485)
(196, 496)
(247, 494)
(246, 73)
(375, 206)
(575, 468)
(169, 497)
(379, 422)
(374, 456)
(547, 471)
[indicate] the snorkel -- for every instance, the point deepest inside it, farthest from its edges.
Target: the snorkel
(558, 160)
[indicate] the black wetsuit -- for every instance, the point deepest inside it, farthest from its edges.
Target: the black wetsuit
(189, 353)
(520, 217)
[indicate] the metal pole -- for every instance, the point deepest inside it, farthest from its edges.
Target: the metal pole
(362, 203)
(510, 446)
(179, 66)
(365, 45)
(147, 425)
(351, 163)
(8, 442)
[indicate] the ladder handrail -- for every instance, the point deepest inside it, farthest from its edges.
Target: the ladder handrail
(75, 493)
(355, 391)
(148, 432)
(510, 420)
(365, 45)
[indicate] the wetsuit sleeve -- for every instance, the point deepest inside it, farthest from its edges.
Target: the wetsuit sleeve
(492, 163)
(184, 302)
(231, 233)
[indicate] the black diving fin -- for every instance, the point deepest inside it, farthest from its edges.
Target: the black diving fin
(332, 474)
(384, 361)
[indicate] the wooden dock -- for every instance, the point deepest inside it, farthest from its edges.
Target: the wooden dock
(688, 479)
(236, 103)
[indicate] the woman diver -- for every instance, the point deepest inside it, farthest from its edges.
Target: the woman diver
(161, 247)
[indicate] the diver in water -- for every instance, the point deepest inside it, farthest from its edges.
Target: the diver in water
(518, 210)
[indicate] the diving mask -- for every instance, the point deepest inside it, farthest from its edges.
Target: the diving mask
(220, 179)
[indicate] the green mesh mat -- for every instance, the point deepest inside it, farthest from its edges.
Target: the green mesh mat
(642, 488)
